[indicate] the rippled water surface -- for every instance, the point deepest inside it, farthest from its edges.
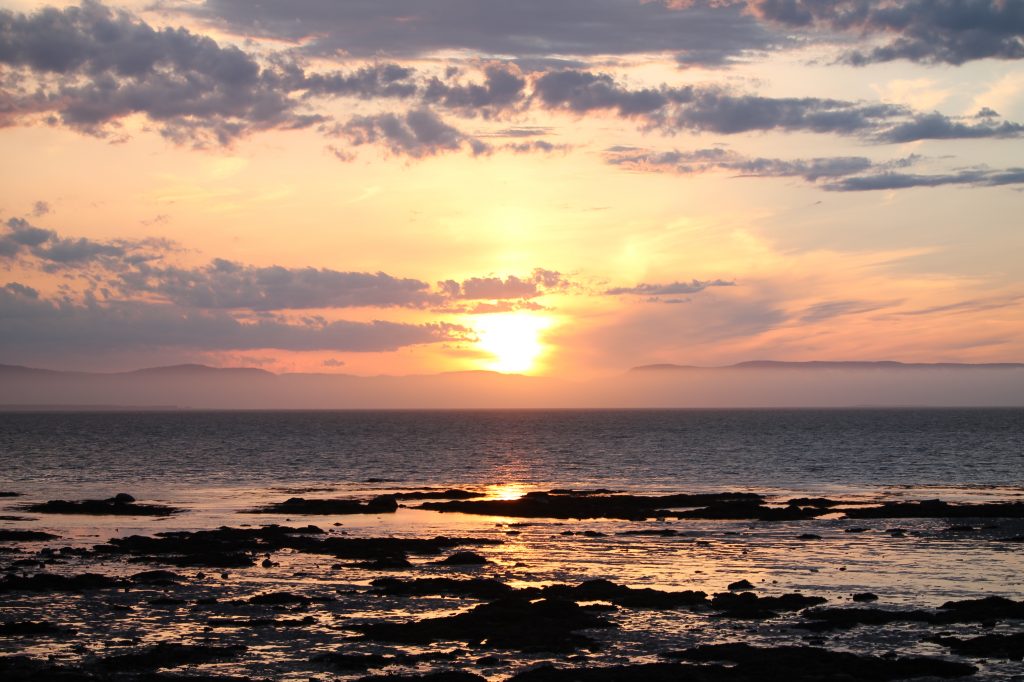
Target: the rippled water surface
(216, 465)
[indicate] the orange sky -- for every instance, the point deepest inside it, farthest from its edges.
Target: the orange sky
(330, 190)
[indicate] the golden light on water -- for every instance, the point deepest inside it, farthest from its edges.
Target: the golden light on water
(514, 341)
(506, 491)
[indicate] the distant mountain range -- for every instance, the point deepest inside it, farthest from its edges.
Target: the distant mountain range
(748, 384)
(835, 364)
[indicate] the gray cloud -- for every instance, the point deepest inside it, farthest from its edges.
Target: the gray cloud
(419, 133)
(827, 310)
(930, 31)
(671, 289)
(703, 33)
(541, 281)
(938, 127)
(721, 110)
(836, 174)
(981, 177)
(97, 65)
(503, 88)
(374, 81)
(33, 323)
(226, 285)
(20, 238)
(704, 160)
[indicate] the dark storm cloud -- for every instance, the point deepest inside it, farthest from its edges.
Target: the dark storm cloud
(227, 285)
(703, 33)
(418, 133)
(930, 31)
(34, 323)
(671, 289)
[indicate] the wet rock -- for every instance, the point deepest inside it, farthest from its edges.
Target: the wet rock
(279, 599)
(108, 507)
(799, 663)
(261, 622)
(464, 559)
(740, 585)
(122, 498)
(661, 532)
(10, 534)
(749, 605)
(511, 623)
(382, 504)
(844, 618)
(170, 655)
(865, 596)
(820, 502)
(158, 578)
(449, 494)
(751, 510)
(28, 628)
(808, 536)
(989, 646)
(605, 590)
(346, 661)
(477, 588)
(573, 505)
(986, 608)
(234, 547)
(857, 529)
(440, 676)
(48, 582)
(389, 563)
(937, 509)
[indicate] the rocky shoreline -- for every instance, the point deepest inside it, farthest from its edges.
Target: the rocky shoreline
(316, 602)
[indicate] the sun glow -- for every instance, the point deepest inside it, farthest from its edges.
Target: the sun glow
(514, 340)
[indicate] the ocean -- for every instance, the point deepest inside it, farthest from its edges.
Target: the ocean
(215, 466)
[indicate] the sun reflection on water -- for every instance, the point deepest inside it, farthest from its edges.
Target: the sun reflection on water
(505, 491)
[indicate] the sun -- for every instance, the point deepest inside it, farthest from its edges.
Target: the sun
(513, 339)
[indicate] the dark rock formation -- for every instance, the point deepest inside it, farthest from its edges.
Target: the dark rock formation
(511, 623)
(574, 505)
(382, 504)
(120, 505)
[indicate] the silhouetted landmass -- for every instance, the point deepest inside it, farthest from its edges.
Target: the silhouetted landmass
(748, 384)
(819, 364)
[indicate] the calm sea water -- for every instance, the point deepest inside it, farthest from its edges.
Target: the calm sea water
(650, 450)
(216, 465)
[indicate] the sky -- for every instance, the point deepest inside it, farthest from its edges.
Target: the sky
(567, 188)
